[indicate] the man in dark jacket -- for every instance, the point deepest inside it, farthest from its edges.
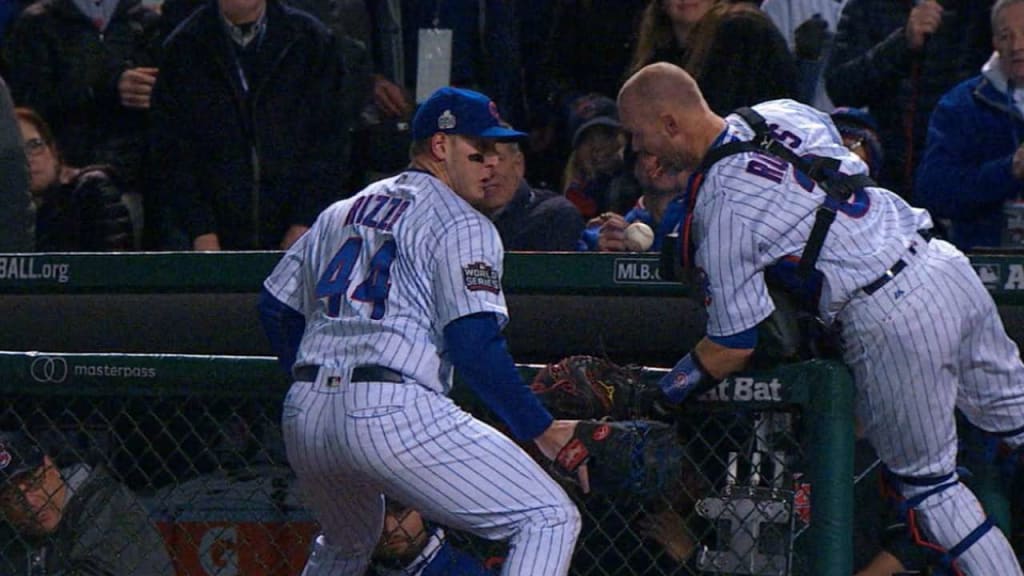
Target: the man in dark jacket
(528, 219)
(897, 57)
(16, 215)
(249, 125)
(973, 165)
(74, 520)
(86, 67)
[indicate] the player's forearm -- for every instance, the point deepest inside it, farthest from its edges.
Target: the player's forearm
(477, 350)
(720, 360)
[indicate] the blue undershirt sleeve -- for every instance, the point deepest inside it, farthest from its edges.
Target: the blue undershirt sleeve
(478, 352)
(283, 326)
(745, 340)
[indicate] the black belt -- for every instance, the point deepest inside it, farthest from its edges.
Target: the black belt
(896, 268)
(884, 279)
(364, 373)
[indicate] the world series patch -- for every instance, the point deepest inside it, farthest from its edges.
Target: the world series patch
(480, 276)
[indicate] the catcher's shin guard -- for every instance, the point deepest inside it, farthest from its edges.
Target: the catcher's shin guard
(959, 535)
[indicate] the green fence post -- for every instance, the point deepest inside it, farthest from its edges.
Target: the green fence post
(831, 432)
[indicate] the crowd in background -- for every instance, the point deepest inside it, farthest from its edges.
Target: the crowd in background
(230, 124)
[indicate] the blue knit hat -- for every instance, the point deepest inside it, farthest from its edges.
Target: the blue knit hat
(591, 110)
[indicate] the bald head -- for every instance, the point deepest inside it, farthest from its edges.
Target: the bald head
(662, 85)
(666, 115)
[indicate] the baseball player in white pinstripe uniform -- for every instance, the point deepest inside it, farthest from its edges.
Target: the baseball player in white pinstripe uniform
(918, 329)
(389, 291)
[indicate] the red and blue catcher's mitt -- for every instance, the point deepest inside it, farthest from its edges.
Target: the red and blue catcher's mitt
(587, 387)
(634, 458)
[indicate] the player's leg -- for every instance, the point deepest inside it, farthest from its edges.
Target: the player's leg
(460, 472)
(903, 346)
(348, 507)
(991, 372)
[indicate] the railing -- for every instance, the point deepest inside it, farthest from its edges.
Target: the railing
(183, 430)
(196, 437)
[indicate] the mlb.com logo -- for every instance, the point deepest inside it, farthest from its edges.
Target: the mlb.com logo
(638, 271)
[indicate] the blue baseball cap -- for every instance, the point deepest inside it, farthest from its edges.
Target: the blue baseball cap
(591, 110)
(460, 111)
(18, 454)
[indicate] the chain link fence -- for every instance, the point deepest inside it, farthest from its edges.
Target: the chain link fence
(194, 444)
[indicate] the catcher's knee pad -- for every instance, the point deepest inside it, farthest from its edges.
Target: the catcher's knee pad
(1013, 439)
(917, 501)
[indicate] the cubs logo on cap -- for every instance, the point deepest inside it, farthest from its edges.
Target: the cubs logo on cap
(5, 457)
(460, 111)
(18, 454)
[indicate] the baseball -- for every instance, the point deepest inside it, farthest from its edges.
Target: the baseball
(639, 237)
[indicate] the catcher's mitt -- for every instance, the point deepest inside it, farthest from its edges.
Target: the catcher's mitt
(634, 458)
(587, 387)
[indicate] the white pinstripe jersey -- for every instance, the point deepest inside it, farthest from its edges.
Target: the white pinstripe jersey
(380, 275)
(753, 210)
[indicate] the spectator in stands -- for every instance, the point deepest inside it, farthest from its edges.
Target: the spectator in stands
(897, 59)
(860, 134)
(973, 164)
(249, 130)
(17, 220)
(343, 17)
(466, 44)
(571, 48)
(737, 55)
(77, 209)
(87, 67)
(72, 520)
(9, 11)
(348, 20)
(588, 47)
(809, 27)
(664, 31)
(660, 207)
(527, 218)
(595, 179)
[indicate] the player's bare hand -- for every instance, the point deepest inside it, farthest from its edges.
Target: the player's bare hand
(669, 529)
(551, 442)
(611, 237)
(1018, 163)
(135, 86)
(390, 98)
(924, 20)
(206, 243)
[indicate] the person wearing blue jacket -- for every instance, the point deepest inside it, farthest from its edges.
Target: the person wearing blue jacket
(973, 162)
